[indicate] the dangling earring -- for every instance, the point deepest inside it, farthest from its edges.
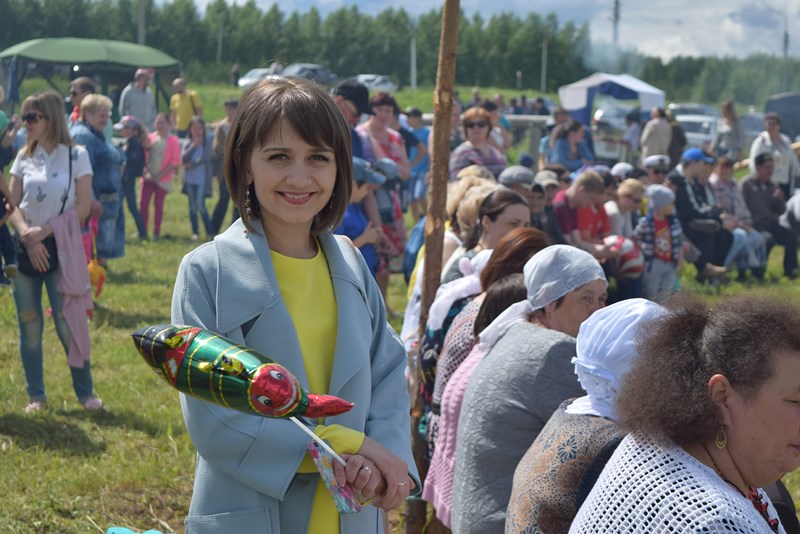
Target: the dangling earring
(721, 439)
(247, 210)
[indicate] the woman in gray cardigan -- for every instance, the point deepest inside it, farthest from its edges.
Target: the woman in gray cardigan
(289, 171)
(521, 381)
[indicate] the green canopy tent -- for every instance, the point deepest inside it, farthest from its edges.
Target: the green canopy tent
(99, 54)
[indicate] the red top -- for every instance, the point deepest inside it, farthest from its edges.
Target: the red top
(566, 217)
(595, 221)
(663, 245)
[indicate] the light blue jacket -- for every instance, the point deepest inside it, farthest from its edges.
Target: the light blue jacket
(560, 154)
(246, 476)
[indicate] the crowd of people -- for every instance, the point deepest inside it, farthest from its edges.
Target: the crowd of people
(546, 410)
(69, 182)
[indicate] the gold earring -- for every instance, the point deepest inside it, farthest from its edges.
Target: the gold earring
(721, 439)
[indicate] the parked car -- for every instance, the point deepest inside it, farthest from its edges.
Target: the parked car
(700, 130)
(377, 83)
(253, 76)
(752, 124)
(310, 71)
(692, 108)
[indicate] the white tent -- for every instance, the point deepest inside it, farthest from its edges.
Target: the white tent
(577, 98)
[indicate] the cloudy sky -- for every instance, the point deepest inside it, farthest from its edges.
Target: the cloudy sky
(663, 28)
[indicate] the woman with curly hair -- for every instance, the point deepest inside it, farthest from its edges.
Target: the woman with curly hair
(713, 407)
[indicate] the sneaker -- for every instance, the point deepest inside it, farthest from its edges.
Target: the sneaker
(195, 237)
(35, 406)
(10, 270)
(711, 272)
(93, 404)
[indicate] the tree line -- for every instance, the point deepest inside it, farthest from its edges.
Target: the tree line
(490, 51)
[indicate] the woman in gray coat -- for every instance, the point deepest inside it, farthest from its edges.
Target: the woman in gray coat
(523, 378)
(279, 282)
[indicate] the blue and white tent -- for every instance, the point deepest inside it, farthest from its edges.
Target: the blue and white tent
(578, 97)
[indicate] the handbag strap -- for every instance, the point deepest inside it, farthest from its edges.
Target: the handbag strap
(69, 181)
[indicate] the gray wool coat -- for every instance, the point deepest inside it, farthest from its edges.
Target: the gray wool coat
(246, 475)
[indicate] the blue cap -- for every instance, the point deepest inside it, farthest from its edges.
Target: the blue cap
(696, 154)
(363, 172)
(526, 160)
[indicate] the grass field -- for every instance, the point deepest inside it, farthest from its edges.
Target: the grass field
(66, 470)
(69, 471)
(214, 95)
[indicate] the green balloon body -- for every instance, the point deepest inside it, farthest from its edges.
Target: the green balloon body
(208, 366)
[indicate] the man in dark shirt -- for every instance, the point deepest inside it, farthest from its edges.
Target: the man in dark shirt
(766, 203)
(352, 99)
(702, 222)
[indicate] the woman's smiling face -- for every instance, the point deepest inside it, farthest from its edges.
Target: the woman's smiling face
(293, 180)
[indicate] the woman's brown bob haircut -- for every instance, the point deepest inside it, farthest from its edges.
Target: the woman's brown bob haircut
(665, 394)
(313, 114)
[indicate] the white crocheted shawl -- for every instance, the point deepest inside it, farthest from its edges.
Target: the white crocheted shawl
(647, 487)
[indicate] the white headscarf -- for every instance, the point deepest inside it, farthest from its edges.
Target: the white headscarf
(605, 351)
(466, 286)
(549, 275)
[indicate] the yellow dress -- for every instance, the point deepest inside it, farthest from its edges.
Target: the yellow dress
(304, 281)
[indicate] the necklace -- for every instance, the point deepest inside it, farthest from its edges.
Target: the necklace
(753, 496)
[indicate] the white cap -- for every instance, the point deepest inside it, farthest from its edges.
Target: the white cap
(606, 349)
(549, 275)
(656, 160)
(622, 169)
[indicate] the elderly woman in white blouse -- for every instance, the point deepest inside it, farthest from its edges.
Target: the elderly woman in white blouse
(713, 407)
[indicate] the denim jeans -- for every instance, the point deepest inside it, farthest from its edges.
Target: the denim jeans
(28, 299)
(129, 192)
(197, 203)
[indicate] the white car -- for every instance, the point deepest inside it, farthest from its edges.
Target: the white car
(253, 76)
(700, 130)
(378, 83)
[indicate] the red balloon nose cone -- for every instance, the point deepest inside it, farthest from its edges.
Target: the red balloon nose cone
(326, 406)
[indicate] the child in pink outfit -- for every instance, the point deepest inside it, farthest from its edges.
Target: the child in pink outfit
(165, 157)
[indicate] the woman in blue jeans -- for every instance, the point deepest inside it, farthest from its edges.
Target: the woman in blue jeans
(197, 158)
(45, 191)
(107, 179)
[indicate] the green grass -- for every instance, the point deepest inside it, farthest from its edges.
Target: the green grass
(68, 471)
(214, 95)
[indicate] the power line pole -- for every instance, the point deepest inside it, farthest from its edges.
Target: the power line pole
(140, 34)
(785, 80)
(615, 23)
(543, 73)
(219, 37)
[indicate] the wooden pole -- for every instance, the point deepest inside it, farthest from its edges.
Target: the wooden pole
(416, 510)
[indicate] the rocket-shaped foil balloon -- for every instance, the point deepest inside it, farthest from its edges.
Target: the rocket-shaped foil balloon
(210, 367)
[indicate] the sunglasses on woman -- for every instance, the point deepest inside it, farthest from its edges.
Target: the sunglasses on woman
(476, 124)
(32, 117)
